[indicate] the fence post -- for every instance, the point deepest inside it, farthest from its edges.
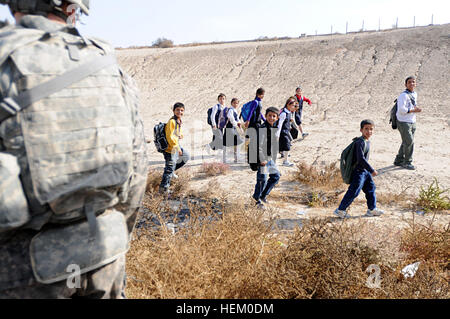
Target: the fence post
(346, 27)
(379, 24)
(396, 24)
(414, 21)
(432, 19)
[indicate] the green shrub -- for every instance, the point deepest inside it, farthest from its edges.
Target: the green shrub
(431, 199)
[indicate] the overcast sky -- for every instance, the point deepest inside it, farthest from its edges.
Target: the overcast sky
(141, 22)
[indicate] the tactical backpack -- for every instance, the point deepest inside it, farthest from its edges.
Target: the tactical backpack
(160, 137)
(347, 164)
(74, 118)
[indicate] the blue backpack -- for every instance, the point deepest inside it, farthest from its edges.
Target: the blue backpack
(246, 111)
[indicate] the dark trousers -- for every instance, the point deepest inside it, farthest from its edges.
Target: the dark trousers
(265, 185)
(361, 180)
(173, 162)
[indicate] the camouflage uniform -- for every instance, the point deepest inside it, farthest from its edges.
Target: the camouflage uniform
(24, 259)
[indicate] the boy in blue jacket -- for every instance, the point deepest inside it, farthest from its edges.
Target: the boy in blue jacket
(362, 176)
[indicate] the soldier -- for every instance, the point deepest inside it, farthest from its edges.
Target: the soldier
(73, 161)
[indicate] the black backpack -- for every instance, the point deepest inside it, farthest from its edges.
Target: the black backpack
(209, 116)
(347, 164)
(160, 137)
(393, 118)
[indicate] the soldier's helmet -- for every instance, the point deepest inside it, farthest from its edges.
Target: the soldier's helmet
(43, 7)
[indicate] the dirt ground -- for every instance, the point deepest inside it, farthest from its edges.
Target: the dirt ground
(348, 78)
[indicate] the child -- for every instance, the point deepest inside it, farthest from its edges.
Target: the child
(252, 123)
(298, 114)
(407, 110)
(231, 136)
(284, 130)
(267, 156)
(175, 156)
(255, 117)
(362, 175)
(216, 143)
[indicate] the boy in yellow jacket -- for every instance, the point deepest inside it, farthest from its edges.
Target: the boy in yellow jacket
(175, 156)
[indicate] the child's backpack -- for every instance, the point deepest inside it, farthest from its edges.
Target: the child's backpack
(209, 116)
(347, 163)
(393, 117)
(246, 111)
(223, 118)
(160, 137)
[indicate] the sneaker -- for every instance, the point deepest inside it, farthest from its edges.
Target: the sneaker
(305, 135)
(341, 213)
(288, 164)
(260, 205)
(174, 175)
(410, 167)
(264, 200)
(398, 164)
(164, 191)
(374, 213)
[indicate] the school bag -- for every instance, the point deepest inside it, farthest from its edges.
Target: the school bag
(246, 111)
(209, 116)
(347, 164)
(223, 118)
(393, 115)
(160, 137)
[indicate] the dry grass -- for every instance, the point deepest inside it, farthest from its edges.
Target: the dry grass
(179, 186)
(402, 199)
(427, 243)
(325, 178)
(215, 169)
(212, 190)
(311, 198)
(239, 256)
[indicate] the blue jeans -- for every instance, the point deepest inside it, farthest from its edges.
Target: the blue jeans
(361, 180)
(265, 185)
(173, 162)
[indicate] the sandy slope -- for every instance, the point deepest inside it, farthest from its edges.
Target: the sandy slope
(348, 77)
